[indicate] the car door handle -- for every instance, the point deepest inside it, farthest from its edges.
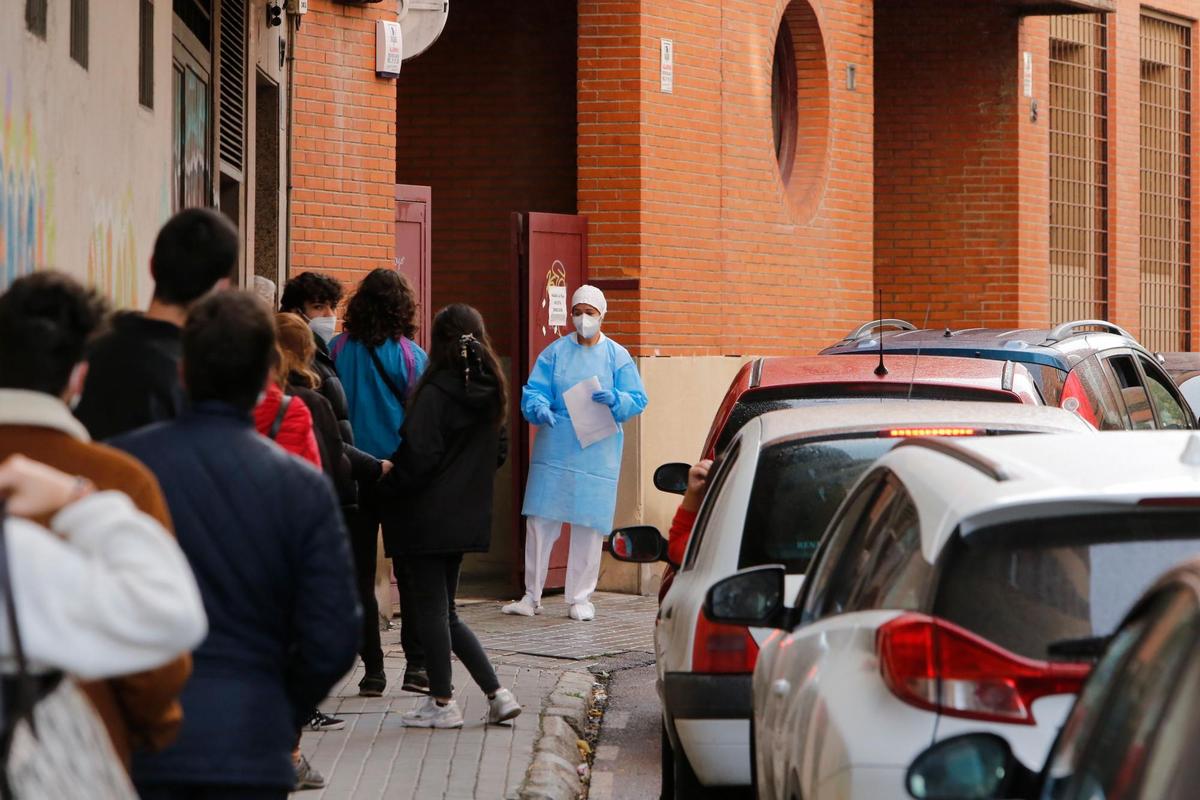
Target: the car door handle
(781, 687)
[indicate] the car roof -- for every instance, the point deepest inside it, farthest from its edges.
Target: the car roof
(792, 370)
(820, 420)
(970, 483)
(1049, 347)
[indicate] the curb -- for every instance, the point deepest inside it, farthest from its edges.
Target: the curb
(554, 772)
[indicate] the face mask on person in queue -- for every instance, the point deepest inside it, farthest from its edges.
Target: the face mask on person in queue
(325, 327)
(587, 325)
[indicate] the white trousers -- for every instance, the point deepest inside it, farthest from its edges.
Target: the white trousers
(583, 563)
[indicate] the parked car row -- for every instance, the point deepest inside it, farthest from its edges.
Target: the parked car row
(870, 576)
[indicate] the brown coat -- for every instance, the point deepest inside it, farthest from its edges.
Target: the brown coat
(142, 710)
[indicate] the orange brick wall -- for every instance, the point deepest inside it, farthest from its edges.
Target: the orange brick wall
(683, 191)
(343, 144)
(486, 117)
(946, 162)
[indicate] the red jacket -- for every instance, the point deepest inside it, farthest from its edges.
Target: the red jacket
(296, 433)
(681, 532)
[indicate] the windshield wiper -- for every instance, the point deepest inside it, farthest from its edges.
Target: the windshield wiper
(1089, 647)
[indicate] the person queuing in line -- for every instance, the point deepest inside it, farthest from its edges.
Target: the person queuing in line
(453, 441)
(379, 364)
(104, 591)
(45, 321)
(570, 484)
(264, 536)
(285, 420)
(133, 375)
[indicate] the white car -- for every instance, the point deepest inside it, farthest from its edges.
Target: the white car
(964, 585)
(771, 495)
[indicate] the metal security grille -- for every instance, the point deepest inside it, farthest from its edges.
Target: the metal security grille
(1078, 167)
(233, 83)
(35, 17)
(146, 53)
(79, 31)
(1166, 189)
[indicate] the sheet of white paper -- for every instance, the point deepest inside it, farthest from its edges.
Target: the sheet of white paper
(558, 306)
(593, 422)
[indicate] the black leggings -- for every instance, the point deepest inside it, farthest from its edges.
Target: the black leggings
(363, 523)
(430, 583)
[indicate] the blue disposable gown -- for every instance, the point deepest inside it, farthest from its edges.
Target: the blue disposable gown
(567, 482)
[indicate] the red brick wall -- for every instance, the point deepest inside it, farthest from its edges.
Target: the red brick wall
(486, 117)
(946, 162)
(683, 190)
(343, 144)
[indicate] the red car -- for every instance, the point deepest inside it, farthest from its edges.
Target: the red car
(771, 384)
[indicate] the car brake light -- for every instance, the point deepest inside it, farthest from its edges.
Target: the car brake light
(933, 664)
(904, 433)
(1169, 502)
(721, 648)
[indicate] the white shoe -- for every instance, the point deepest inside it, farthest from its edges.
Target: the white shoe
(428, 714)
(584, 612)
(502, 707)
(522, 607)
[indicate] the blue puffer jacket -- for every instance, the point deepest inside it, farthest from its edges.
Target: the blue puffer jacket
(265, 539)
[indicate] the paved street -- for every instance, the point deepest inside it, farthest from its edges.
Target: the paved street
(627, 757)
(375, 757)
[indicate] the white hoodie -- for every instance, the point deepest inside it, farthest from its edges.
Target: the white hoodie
(111, 594)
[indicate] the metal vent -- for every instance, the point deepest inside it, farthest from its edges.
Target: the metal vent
(35, 17)
(146, 53)
(1078, 167)
(79, 32)
(1166, 188)
(233, 83)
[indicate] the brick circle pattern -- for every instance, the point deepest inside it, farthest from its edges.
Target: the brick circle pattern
(800, 109)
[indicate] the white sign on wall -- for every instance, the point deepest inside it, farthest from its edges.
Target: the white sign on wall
(389, 50)
(666, 72)
(1028, 82)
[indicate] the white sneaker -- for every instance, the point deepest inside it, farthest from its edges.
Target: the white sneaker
(584, 612)
(502, 707)
(522, 607)
(430, 715)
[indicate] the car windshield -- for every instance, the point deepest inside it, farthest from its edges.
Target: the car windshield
(797, 488)
(755, 403)
(1043, 588)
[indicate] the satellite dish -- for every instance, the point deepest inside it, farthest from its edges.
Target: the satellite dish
(421, 23)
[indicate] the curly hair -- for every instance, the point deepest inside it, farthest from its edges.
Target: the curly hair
(310, 287)
(383, 307)
(296, 350)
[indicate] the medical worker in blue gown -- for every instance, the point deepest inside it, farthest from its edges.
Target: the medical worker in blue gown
(569, 484)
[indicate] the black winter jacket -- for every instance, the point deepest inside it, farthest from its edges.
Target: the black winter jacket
(334, 462)
(363, 466)
(437, 500)
(265, 539)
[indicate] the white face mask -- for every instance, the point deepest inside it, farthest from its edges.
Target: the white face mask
(325, 327)
(587, 325)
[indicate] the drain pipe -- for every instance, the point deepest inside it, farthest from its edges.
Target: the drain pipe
(293, 34)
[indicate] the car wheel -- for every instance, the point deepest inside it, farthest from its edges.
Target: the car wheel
(754, 790)
(667, 791)
(685, 783)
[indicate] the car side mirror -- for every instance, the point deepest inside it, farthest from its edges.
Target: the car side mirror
(638, 544)
(752, 597)
(672, 478)
(974, 766)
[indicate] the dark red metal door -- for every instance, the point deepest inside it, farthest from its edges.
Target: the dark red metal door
(413, 256)
(551, 254)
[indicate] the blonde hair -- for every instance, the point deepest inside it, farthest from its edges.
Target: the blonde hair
(296, 350)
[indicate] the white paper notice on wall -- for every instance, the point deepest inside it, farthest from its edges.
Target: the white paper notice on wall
(1027, 58)
(558, 306)
(666, 72)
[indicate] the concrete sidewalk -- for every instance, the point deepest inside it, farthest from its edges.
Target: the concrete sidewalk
(376, 757)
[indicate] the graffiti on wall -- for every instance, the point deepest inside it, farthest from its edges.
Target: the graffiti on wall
(112, 266)
(26, 196)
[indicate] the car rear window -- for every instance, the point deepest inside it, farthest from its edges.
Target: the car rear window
(1034, 584)
(797, 488)
(755, 403)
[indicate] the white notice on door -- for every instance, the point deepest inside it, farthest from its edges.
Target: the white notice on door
(558, 306)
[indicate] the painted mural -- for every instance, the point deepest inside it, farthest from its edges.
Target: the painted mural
(112, 266)
(26, 195)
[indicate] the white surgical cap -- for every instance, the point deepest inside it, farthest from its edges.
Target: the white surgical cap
(591, 296)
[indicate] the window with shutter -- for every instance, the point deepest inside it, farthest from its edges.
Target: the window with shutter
(79, 32)
(35, 17)
(146, 53)
(232, 88)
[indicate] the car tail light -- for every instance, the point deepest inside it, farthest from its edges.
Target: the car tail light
(933, 664)
(723, 648)
(1169, 502)
(904, 433)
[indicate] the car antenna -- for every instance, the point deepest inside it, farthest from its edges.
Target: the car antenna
(925, 326)
(880, 370)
